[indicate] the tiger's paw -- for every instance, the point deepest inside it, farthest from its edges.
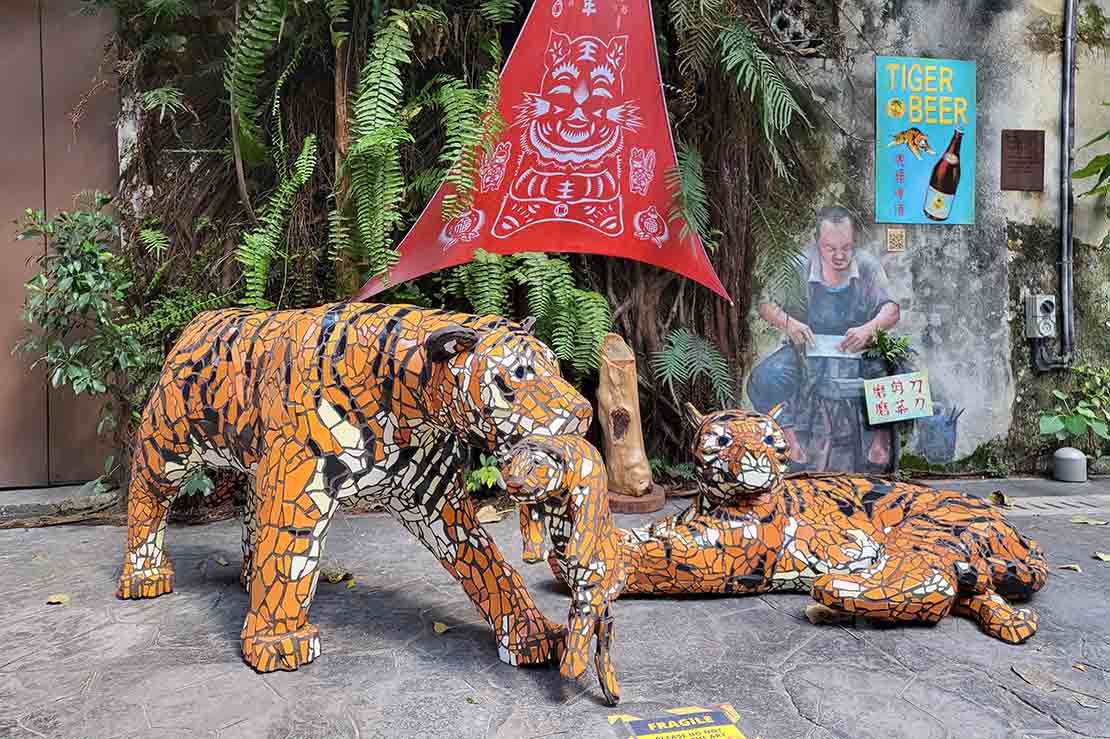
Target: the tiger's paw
(268, 653)
(135, 584)
(536, 641)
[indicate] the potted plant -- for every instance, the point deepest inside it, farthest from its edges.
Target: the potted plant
(889, 354)
(1082, 415)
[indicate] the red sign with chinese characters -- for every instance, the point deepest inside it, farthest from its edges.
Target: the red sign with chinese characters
(583, 163)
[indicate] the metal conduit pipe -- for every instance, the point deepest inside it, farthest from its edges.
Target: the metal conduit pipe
(1043, 360)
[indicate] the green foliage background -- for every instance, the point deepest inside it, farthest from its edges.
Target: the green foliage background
(283, 147)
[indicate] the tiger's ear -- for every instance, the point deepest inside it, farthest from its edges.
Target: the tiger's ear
(529, 324)
(693, 416)
(446, 342)
(775, 412)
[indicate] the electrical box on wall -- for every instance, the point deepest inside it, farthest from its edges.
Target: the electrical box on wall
(1040, 316)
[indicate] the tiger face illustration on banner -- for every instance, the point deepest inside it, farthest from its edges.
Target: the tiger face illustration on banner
(572, 139)
(583, 162)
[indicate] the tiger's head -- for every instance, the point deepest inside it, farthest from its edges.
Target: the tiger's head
(737, 452)
(495, 383)
(539, 468)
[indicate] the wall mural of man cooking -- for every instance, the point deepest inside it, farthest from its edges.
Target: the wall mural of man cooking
(818, 372)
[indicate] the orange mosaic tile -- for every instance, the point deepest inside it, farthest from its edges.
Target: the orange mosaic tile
(329, 406)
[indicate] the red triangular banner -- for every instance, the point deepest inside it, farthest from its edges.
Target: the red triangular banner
(582, 165)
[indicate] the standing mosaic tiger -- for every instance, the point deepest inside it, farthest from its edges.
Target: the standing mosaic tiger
(337, 404)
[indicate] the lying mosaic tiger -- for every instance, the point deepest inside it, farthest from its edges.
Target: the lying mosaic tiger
(332, 405)
(861, 545)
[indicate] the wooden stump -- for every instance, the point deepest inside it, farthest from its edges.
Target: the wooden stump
(618, 404)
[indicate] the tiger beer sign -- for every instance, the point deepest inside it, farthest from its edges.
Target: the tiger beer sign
(582, 165)
(925, 140)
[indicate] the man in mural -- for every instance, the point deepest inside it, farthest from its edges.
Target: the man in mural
(846, 295)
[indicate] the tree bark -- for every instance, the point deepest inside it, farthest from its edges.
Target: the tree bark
(618, 407)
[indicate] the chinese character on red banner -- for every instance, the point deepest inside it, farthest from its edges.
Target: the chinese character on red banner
(882, 408)
(879, 391)
(900, 408)
(896, 386)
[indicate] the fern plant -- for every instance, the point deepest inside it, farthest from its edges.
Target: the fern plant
(379, 127)
(697, 24)
(154, 241)
(164, 99)
(687, 357)
(499, 11)
(472, 123)
(259, 246)
(756, 73)
(571, 320)
(779, 253)
(686, 181)
(256, 36)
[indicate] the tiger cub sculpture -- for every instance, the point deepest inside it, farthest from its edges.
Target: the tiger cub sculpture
(337, 404)
(860, 545)
(562, 486)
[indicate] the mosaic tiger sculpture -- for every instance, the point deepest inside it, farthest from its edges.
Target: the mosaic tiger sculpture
(860, 545)
(563, 488)
(337, 404)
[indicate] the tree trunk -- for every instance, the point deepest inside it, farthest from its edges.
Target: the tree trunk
(618, 407)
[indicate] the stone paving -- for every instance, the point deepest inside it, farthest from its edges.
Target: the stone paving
(170, 667)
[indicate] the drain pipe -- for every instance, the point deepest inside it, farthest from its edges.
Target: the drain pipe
(1042, 358)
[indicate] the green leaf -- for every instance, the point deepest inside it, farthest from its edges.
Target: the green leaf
(1075, 425)
(1051, 425)
(1059, 395)
(1100, 428)
(1097, 165)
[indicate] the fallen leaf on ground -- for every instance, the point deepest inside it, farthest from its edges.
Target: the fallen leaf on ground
(1080, 666)
(489, 514)
(58, 599)
(821, 614)
(333, 575)
(1072, 567)
(1088, 520)
(1086, 703)
(1035, 677)
(1104, 556)
(1000, 498)
(221, 561)
(440, 628)
(38, 556)
(471, 700)
(350, 582)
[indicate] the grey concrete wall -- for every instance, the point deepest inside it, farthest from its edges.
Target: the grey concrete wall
(953, 282)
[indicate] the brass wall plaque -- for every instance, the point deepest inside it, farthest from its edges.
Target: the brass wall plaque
(1022, 160)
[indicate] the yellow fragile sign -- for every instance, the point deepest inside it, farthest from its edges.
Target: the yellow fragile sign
(692, 722)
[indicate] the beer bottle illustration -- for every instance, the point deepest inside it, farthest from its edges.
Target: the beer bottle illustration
(944, 181)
